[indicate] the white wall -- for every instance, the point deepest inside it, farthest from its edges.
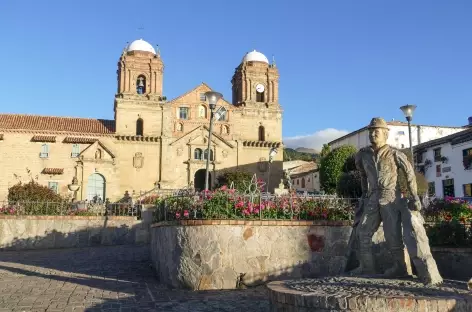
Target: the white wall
(312, 182)
(457, 171)
(398, 136)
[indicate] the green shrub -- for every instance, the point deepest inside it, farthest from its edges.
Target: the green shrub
(333, 165)
(349, 185)
(234, 176)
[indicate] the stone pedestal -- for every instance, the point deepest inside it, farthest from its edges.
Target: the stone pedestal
(367, 294)
(281, 190)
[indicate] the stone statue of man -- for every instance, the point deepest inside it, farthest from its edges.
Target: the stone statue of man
(382, 202)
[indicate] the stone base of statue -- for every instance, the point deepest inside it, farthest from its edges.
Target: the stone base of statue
(363, 294)
(281, 190)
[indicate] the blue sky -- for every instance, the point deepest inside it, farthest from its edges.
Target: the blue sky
(340, 62)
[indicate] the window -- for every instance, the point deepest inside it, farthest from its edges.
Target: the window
(53, 186)
(259, 96)
(303, 182)
(139, 127)
(202, 97)
(467, 158)
(75, 150)
(437, 154)
(221, 116)
(183, 112)
(308, 180)
(298, 182)
(205, 155)
(261, 133)
(467, 190)
(202, 111)
(419, 158)
(448, 188)
(44, 151)
(431, 189)
(438, 170)
(141, 84)
(198, 154)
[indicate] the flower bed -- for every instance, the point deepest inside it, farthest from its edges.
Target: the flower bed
(449, 221)
(225, 203)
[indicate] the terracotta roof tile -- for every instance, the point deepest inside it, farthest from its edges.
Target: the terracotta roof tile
(43, 138)
(81, 140)
(51, 123)
(53, 171)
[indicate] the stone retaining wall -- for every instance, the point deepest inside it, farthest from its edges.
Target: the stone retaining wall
(454, 263)
(212, 254)
(42, 232)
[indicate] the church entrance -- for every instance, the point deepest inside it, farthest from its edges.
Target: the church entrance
(96, 188)
(199, 180)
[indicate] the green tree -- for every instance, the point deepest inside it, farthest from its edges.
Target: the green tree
(332, 166)
(349, 184)
(234, 176)
(325, 150)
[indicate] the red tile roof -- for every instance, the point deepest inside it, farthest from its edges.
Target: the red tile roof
(43, 138)
(50, 123)
(81, 140)
(53, 171)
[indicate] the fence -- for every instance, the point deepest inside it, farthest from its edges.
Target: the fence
(22, 208)
(229, 204)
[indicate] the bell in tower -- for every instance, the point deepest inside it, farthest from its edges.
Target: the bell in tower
(141, 85)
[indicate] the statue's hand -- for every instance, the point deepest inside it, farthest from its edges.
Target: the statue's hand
(414, 203)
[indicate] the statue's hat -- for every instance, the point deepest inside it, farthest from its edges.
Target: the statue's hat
(378, 122)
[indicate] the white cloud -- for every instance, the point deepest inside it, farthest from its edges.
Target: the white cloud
(315, 140)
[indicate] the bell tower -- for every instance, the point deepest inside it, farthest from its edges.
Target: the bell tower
(139, 91)
(255, 82)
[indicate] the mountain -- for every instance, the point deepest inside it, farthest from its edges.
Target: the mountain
(307, 150)
(299, 154)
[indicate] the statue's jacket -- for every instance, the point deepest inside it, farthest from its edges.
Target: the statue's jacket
(379, 172)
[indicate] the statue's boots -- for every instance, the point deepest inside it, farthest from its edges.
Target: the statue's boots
(399, 268)
(427, 270)
(366, 267)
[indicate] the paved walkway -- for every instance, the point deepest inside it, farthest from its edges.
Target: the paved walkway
(104, 279)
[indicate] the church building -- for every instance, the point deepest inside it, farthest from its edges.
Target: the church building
(152, 142)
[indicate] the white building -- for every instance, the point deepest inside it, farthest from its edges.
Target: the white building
(447, 164)
(398, 136)
(304, 175)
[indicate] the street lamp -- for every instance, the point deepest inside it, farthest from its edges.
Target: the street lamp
(273, 151)
(408, 112)
(212, 98)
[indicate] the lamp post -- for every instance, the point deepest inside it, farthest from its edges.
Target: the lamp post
(408, 112)
(273, 151)
(212, 98)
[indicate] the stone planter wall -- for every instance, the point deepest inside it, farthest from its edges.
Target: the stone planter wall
(454, 263)
(43, 232)
(212, 254)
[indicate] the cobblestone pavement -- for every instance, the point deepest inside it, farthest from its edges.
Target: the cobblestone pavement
(117, 278)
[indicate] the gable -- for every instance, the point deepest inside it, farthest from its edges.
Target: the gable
(97, 150)
(199, 136)
(192, 97)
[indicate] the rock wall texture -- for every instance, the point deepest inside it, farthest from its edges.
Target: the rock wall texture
(454, 263)
(42, 232)
(217, 255)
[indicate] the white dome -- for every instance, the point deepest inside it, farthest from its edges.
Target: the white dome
(140, 45)
(255, 56)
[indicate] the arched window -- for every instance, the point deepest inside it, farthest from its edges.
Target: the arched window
(139, 127)
(44, 151)
(303, 182)
(261, 133)
(202, 111)
(225, 129)
(141, 84)
(198, 154)
(259, 96)
(75, 150)
(205, 155)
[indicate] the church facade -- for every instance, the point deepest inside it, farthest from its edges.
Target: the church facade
(151, 142)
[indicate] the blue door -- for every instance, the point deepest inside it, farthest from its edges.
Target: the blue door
(96, 187)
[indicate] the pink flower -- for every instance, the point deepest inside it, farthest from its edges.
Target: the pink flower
(12, 211)
(186, 214)
(177, 215)
(256, 211)
(224, 188)
(246, 212)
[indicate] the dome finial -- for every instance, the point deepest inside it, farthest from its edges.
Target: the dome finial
(273, 60)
